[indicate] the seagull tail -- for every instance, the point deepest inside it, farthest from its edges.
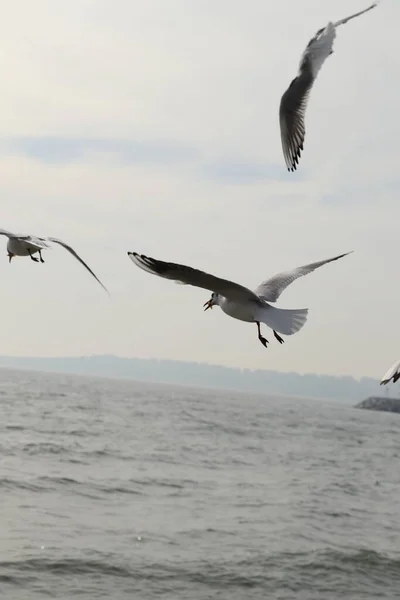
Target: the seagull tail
(283, 320)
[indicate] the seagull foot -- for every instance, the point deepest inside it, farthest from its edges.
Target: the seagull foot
(278, 337)
(263, 341)
(260, 337)
(34, 259)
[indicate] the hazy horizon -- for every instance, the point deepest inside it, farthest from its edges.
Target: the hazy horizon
(154, 128)
(343, 388)
(183, 362)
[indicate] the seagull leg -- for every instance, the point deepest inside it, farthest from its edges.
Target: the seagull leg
(40, 254)
(32, 257)
(10, 256)
(278, 337)
(260, 337)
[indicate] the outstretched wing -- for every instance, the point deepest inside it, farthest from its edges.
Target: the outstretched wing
(8, 233)
(72, 251)
(190, 276)
(34, 241)
(272, 288)
(345, 20)
(294, 101)
(393, 373)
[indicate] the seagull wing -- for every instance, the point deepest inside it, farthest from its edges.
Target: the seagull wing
(189, 276)
(272, 288)
(34, 241)
(8, 233)
(72, 251)
(343, 21)
(39, 243)
(294, 101)
(392, 373)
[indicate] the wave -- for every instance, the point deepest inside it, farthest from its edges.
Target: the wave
(357, 560)
(301, 570)
(86, 488)
(44, 448)
(66, 566)
(10, 483)
(94, 489)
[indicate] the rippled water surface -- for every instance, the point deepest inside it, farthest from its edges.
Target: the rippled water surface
(115, 489)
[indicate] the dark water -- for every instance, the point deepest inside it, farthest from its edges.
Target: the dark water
(113, 489)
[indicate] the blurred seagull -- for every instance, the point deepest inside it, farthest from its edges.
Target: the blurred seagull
(28, 245)
(294, 101)
(237, 301)
(392, 374)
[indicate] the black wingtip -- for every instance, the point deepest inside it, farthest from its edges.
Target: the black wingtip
(342, 255)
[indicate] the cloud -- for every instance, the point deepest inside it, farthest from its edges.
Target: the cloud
(64, 150)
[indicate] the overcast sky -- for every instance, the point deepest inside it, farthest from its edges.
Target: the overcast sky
(152, 126)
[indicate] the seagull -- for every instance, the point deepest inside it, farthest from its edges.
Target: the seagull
(393, 373)
(238, 301)
(294, 101)
(28, 245)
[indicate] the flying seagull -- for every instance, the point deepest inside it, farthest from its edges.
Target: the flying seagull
(236, 300)
(392, 374)
(28, 245)
(294, 101)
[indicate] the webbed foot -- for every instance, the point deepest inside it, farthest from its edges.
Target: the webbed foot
(278, 337)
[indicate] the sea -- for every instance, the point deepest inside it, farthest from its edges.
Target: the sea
(118, 489)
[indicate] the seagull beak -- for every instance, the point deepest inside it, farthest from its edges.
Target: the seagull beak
(208, 305)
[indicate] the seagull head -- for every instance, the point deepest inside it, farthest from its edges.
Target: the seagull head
(212, 301)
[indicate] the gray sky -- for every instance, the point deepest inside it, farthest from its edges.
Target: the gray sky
(152, 126)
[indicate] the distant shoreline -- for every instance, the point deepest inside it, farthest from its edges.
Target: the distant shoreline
(342, 388)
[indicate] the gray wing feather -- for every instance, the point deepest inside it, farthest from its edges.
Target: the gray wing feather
(292, 111)
(72, 251)
(189, 276)
(271, 289)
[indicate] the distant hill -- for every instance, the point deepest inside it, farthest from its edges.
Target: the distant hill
(346, 389)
